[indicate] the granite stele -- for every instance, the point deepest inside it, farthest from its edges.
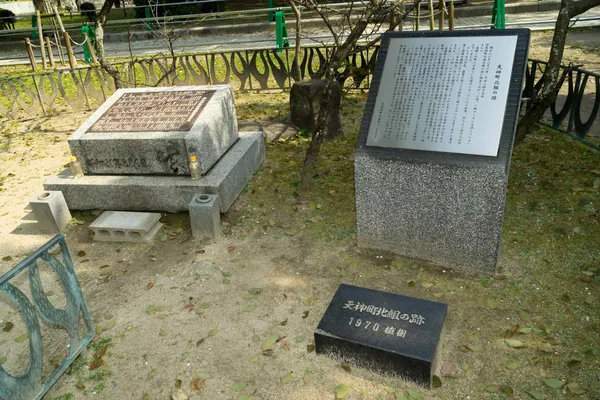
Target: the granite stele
(135, 151)
(434, 149)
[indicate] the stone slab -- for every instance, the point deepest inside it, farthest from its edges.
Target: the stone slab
(382, 331)
(443, 207)
(227, 178)
(126, 221)
(154, 131)
(51, 211)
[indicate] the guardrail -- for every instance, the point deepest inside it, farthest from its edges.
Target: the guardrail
(263, 69)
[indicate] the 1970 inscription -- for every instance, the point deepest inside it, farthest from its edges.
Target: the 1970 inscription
(153, 111)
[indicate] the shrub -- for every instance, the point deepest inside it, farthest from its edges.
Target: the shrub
(7, 19)
(88, 10)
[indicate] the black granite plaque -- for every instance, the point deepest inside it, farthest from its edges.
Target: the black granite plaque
(382, 331)
(153, 111)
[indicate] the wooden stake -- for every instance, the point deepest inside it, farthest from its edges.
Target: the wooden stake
(30, 54)
(431, 18)
(41, 37)
(451, 16)
(418, 11)
(72, 60)
(90, 46)
(441, 15)
(50, 54)
(60, 24)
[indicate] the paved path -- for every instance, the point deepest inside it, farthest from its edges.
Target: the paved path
(535, 21)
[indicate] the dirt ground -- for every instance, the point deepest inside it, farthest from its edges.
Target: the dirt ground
(234, 319)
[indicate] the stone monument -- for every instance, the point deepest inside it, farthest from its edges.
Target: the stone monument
(135, 151)
(382, 331)
(434, 149)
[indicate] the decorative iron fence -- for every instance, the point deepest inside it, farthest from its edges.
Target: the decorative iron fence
(255, 70)
(20, 293)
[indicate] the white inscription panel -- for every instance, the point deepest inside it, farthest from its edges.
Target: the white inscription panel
(443, 94)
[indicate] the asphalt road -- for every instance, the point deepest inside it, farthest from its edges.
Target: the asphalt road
(226, 42)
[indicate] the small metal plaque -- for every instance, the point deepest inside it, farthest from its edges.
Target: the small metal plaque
(153, 111)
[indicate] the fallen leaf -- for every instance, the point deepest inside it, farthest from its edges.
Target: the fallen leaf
(524, 316)
(249, 308)
(575, 388)
(507, 390)
(389, 390)
(436, 382)
(573, 363)
(536, 395)
(517, 344)
(341, 391)
(305, 314)
(554, 383)
(255, 291)
(150, 285)
(197, 383)
(310, 301)
(255, 338)
(230, 249)
(512, 365)
(204, 305)
(238, 387)
(524, 330)
(306, 379)
(212, 332)
(492, 304)
(346, 368)
(110, 325)
(8, 327)
(22, 338)
(545, 347)
(199, 342)
(493, 389)
(427, 285)
(287, 378)
(7, 258)
(413, 394)
(226, 280)
(81, 253)
(299, 338)
(310, 348)
(2, 360)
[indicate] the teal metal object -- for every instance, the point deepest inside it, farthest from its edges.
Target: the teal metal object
(281, 33)
(89, 34)
(34, 32)
(29, 386)
(271, 4)
(499, 15)
(148, 24)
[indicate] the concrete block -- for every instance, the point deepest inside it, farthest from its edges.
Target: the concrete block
(205, 216)
(120, 226)
(51, 211)
(227, 178)
(116, 140)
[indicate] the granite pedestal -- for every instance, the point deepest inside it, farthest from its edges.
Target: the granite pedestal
(227, 178)
(154, 131)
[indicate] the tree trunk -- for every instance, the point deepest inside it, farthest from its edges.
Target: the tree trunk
(549, 90)
(101, 19)
(45, 6)
(308, 171)
(296, 73)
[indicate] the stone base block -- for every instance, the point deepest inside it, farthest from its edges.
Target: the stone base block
(123, 226)
(449, 213)
(51, 211)
(227, 178)
(205, 217)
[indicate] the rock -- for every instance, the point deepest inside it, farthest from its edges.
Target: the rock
(204, 267)
(305, 101)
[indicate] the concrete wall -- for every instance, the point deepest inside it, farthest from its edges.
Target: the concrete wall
(18, 7)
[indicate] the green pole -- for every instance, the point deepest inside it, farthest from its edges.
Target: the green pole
(87, 56)
(271, 4)
(499, 15)
(281, 33)
(34, 31)
(148, 15)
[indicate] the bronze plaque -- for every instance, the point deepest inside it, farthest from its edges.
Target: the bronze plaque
(153, 111)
